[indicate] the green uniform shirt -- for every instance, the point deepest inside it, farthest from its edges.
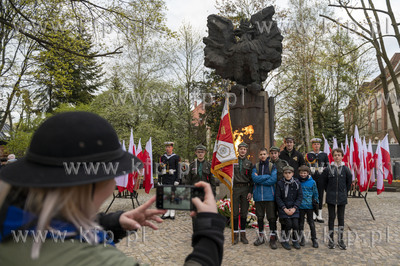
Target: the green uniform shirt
(242, 173)
(201, 171)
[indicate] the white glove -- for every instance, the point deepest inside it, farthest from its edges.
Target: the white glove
(159, 183)
(171, 171)
(176, 183)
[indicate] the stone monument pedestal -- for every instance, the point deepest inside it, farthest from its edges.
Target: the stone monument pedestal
(256, 110)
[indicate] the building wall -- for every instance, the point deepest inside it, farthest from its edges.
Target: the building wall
(377, 118)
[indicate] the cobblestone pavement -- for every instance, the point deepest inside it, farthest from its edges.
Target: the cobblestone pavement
(369, 242)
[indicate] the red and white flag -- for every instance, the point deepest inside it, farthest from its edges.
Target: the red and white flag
(346, 157)
(132, 176)
(357, 154)
(351, 160)
(139, 154)
(148, 182)
(327, 149)
(371, 165)
(379, 170)
(386, 163)
(224, 154)
(334, 144)
(363, 166)
(122, 181)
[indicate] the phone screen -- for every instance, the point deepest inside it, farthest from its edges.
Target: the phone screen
(177, 197)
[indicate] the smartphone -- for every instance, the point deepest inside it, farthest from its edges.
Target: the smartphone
(171, 197)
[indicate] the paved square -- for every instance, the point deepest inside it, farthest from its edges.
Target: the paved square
(369, 242)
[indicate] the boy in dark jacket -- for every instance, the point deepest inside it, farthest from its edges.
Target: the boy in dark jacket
(337, 184)
(288, 197)
(310, 194)
(264, 176)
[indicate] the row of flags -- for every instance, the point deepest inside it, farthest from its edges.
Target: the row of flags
(128, 181)
(365, 165)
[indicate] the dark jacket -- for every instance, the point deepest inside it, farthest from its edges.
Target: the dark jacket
(206, 175)
(322, 161)
(243, 176)
(337, 183)
(171, 163)
(293, 199)
(295, 160)
(279, 164)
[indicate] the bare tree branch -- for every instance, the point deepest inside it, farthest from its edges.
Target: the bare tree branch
(360, 8)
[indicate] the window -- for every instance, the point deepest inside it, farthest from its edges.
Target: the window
(379, 101)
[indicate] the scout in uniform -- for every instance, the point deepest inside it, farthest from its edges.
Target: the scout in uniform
(200, 169)
(278, 162)
(318, 161)
(169, 169)
(242, 193)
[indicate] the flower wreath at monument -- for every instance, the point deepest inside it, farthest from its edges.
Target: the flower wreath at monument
(224, 208)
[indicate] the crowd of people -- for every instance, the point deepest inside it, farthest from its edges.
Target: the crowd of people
(286, 187)
(38, 195)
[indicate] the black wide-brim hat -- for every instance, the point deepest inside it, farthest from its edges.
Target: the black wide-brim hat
(70, 149)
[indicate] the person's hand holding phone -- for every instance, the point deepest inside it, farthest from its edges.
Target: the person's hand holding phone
(209, 204)
(141, 216)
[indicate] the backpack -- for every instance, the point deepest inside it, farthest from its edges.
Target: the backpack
(269, 164)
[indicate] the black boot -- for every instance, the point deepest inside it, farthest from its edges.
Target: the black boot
(302, 238)
(286, 245)
(296, 244)
(243, 238)
(314, 243)
(235, 238)
(331, 244)
(260, 240)
(341, 243)
(272, 242)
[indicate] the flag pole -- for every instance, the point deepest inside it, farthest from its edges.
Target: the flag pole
(232, 215)
(365, 198)
(233, 174)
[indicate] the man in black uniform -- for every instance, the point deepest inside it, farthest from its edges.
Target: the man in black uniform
(242, 193)
(294, 158)
(318, 161)
(200, 169)
(169, 168)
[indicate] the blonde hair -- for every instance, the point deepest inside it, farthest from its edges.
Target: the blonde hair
(72, 204)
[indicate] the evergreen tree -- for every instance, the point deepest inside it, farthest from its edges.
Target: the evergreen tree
(64, 77)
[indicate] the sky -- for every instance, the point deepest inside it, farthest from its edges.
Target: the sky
(194, 11)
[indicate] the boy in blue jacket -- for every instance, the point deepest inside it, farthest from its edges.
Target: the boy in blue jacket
(310, 194)
(288, 198)
(264, 175)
